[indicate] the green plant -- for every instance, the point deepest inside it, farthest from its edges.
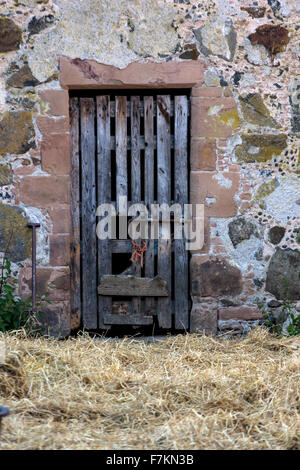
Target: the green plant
(275, 326)
(294, 327)
(14, 312)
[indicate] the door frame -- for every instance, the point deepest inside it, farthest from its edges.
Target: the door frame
(77, 74)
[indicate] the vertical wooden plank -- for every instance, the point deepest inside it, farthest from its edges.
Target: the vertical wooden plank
(149, 150)
(164, 196)
(135, 149)
(149, 189)
(88, 229)
(181, 196)
(121, 145)
(103, 196)
(135, 173)
(75, 211)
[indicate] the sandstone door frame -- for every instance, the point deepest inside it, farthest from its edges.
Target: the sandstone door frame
(77, 74)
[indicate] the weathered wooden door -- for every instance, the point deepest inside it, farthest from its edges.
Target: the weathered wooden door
(134, 145)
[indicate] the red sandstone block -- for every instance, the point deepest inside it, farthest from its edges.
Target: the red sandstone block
(58, 101)
(249, 276)
(217, 241)
(49, 125)
(234, 168)
(221, 186)
(245, 206)
(214, 117)
(245, 196)
(44, 191)
(56, 319)
(54, 281)
(219, 250)
(24, 170)
(76, 74)
(206, 244)
(56, 154)
(227, 91)
(59, 250)
(239, 313)
(204, 317)
(203, 154)
(60, 217)
(211, 92)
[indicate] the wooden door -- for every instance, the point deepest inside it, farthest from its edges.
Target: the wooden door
(133, 145)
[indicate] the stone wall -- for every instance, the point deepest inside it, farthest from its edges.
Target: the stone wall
(245, 167)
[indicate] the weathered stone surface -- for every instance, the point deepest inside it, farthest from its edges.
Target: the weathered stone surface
(222, 187)
(76, 73)
(295, 104)
(236, 327)
(281, 202)
(203, 154)
(273, 37)
(285, 8)
(214, 277)
(59, 250)
(10, 35)
(276, 234)
(204, 317)
(60, 217)
(55, 282)
(211, 77)
(58, 101)
(214, 117)
(283, 274)
(239, 313)
(49, 125)
(13, 227)
(190, 52)
(274, 303)
(22, 78)
(38, 24)
(241, 229)
(279, 314)
(255, 111)
(6, 176)
(56, 320)
(111, 31)
(44, 191)
(56, 154)
(264, 190)
(16, 132)
(256, 53)
(217, 37)
(260, 147)
(255, 11)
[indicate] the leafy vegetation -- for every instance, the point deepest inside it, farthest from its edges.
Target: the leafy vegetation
(287, 312)
(15, 312)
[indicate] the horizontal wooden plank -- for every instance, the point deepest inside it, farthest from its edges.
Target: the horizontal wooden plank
(141, 109)
(133, 286)
(141, 142)
(136, 319)
(120, 246)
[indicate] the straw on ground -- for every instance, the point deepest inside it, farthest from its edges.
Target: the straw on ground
(185, 392)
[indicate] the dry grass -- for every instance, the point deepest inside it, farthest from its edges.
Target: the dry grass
(185, 392)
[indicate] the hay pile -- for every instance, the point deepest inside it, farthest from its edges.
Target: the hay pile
(185, 392)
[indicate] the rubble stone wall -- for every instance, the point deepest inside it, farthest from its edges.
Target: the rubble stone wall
(245, 146)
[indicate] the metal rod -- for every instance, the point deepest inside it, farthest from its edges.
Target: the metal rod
(3, 412)
(34, 226)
